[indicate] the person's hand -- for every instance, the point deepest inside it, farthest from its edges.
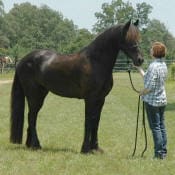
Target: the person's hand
(141, 93)
(137, 67)
(144, 92)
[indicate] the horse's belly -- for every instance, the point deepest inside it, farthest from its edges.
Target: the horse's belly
(66, 85)
(67, 94)
(66, 90)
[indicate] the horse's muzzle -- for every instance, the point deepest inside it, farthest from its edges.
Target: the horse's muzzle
(139, 61)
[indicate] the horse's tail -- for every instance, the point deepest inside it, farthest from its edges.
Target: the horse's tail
(17, 111)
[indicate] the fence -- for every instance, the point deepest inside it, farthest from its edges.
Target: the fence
(120, 65)
(7, 68)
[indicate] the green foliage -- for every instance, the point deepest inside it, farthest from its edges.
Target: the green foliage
(143, 10)
(35, 28)
(172, 72)
(4, 41)
(157, 31)
(28, 27)
(120, 12)
(3, 51)
(82, 39)
(1, 8)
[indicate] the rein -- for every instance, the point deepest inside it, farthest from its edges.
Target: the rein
(138, 112)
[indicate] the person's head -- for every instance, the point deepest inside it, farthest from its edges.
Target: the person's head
(158, 50)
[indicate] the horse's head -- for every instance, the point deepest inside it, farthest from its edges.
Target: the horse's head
(129, 42)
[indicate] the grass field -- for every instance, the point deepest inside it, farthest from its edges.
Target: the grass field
(61, 127)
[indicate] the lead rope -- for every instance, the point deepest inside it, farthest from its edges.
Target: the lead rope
(138, 111)
(145, 133)
(136, 133)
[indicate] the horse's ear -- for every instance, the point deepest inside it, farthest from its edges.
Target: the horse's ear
(136, 23)
(126, 28)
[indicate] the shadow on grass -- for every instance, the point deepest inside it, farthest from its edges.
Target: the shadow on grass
(44, 149)
(170, 107)
(16, 147)
(56, 150)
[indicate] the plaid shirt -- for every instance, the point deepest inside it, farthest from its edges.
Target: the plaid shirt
(154, 80)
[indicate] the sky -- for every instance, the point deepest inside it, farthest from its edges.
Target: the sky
(82, 11)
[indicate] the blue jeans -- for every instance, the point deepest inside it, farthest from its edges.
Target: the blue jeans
(156, 122)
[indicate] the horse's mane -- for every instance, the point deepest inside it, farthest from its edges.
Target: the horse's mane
(104, 35)
(133, 34)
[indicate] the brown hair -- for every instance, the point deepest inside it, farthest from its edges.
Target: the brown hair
(158, 49)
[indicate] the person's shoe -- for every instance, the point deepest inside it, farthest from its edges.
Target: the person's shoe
(163, 156)
(160, 156)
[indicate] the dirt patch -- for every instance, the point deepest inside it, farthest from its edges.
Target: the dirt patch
(5, 82)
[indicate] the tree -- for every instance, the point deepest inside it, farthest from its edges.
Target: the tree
(81, 39)
(143, 10)
(4, 41)
(120, 12)
(157, 31)
(1, 8)
(31, 27)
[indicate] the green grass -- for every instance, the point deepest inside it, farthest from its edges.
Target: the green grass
(60, 129)
(6, 76)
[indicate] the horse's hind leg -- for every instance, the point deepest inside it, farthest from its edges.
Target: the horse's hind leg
(93, 109)
(35, 102)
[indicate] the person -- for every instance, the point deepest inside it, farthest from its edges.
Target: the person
(154, 97)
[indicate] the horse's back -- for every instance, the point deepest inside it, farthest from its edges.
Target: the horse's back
(27, 66)
(65, 75)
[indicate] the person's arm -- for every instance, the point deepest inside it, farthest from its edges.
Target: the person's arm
(144, 91)
(141, 71)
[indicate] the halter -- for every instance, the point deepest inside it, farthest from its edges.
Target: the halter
(138, 111)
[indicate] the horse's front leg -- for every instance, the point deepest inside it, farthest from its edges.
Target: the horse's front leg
(95, 123)
(93, 109)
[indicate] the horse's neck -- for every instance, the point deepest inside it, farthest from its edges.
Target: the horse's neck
(105, 56)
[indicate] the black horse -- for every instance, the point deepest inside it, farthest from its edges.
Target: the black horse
(85, 75)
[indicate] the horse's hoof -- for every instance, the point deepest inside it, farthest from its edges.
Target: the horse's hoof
(97, 150)
(86, 151)
(33, 147)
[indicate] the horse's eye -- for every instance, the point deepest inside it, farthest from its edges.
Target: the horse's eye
(133, 46)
